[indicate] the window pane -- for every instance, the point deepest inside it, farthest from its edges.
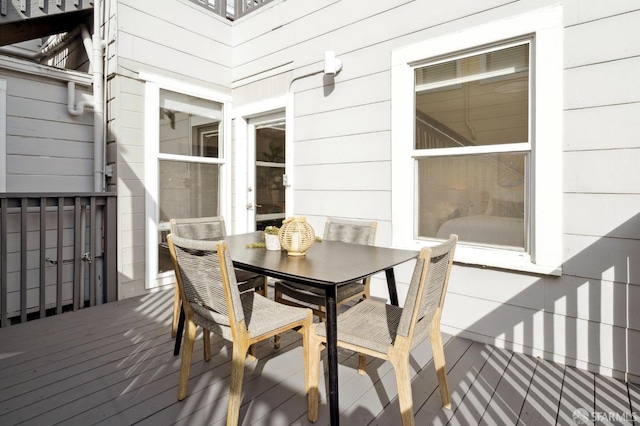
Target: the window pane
(189, 126)
(476, 100)
(186, 190)
(270, 166)
(481, 198)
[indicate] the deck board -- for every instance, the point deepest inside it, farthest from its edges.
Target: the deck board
(461, 376)
(577, 394)
(113, 365)
(540, 407)
(612, 400)
(508, 398)
(477, 398)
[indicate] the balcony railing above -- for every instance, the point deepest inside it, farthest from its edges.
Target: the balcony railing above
(231, 9)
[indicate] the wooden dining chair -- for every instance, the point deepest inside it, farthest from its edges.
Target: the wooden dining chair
(346, 231)
(210, 228)
(390, 332)
(212, 300)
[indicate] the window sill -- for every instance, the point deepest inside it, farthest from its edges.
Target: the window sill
(500, 259)
(503, 259)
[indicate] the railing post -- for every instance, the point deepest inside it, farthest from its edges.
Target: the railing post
(92, 246)
(43, 255)
(3, 261)
(60, 260)
(110, 251)
(24, 204)
(77, 253)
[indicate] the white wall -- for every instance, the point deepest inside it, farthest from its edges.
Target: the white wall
(170, 39)
(341, 146)
(341, 141)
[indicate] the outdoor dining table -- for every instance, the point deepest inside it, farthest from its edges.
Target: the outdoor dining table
(327, 265)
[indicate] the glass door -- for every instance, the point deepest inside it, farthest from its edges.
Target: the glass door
(269, 169)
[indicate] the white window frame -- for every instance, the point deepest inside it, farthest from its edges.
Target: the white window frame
(545, 26)
(154, 84)
(244, 159)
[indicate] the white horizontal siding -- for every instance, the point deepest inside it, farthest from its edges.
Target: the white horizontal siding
(127, 126)
(345, 177)
(602, 258)
(577, 12)
(368, 89)
(605, 171)
(349, 149)
(602, 40)
(603, 215)
(371, 118)
(617, 84)
(47, 148)
(374, 205)
(538, 332)
(174, 39)
(596, 300)
(585, 129)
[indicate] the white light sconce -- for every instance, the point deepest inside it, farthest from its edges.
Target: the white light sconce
(332, 65)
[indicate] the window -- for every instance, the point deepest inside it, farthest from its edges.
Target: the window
(476, 136)
(188, 162)
(185, 164)
(472, 147)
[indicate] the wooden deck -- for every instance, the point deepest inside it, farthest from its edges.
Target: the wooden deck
(114, 364)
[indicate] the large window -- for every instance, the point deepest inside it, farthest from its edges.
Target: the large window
(476, 142)
(472, 147)
(185, 168)
(189, 160)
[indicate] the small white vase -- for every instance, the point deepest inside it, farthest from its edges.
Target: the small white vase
(272, 242)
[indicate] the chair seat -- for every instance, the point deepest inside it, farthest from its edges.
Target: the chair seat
(370, 324)
(261, 316)
(314, 295)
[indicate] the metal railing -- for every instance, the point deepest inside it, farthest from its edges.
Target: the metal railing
(231, 9)
(57, 252)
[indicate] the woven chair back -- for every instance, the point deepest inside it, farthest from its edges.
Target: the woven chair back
(350, 231)
(427, 290)
(201, 278)
(202, 228)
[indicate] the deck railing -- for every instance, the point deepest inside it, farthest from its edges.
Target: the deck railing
(57, 252)
(231, 9)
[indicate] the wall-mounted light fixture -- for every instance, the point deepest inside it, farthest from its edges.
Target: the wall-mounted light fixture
(332, 65)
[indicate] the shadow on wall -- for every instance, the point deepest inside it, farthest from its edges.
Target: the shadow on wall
(588, 318)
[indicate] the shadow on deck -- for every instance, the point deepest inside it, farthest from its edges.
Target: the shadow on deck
(114, 364)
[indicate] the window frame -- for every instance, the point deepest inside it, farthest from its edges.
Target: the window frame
(153, 86)
(544, 27)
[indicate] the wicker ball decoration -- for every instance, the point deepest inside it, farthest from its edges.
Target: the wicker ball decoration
(296, 236)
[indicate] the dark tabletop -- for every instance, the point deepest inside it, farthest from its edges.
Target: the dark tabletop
(325, 263)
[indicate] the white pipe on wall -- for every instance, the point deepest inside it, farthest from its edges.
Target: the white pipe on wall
(72, 108)
(97, 65)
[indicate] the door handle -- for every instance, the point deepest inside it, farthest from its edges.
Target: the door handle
(250, 206)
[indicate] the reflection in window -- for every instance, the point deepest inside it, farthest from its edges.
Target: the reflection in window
(466, 108)
(190, 158)
(270, 165)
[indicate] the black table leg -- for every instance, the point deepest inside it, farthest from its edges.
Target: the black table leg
(179, 331)
(391, 284)
(332, 353)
